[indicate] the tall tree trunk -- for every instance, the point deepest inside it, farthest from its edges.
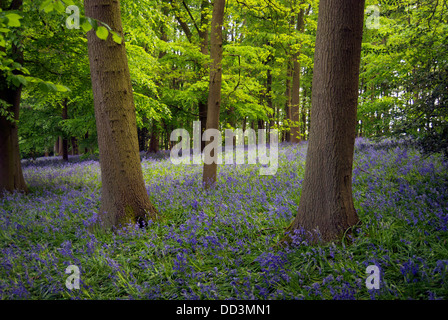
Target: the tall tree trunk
(154, 139)
(74, 142)
(214, 95)
(11, 176)
(288, 101)
(271, 114)
(295, 92)
(326, 202)
(124, 198)
(203, 36)
(142, 135)
(303, 116)
(64, 138)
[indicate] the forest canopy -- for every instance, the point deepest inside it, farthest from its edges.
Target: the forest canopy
(402, 85)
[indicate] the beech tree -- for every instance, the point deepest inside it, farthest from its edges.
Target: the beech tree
(295, 135)
(11, 176)
(214, 95)
(326, 203)
(124, 198)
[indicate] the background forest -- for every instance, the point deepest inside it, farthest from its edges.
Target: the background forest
(267, 71)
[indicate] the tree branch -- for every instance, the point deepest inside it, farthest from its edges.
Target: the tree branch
(191, 16)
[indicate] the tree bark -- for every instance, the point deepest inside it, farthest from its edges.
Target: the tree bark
(154, 139)
(288, 101)
(203, 38)
(74, 143)
(64, 138)
(124, 198)
(326, 202)
(214, 95)
(11, 175)
(295, 92)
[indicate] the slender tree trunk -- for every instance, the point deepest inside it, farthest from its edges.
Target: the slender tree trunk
(303, 119)
(295, 92)
(203, 36)
(11, 176)
(142, 135)
(271, 115)
(326, 202)
(124, 198)
(288, 101)
(64, 139)
(74, 142)
(154, 139)
(86, 150)
(214, 95)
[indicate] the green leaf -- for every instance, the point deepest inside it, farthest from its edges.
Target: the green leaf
(47, 87)
(116, 37)
(21, 79)
(86, 26)
(47, 6)
(61, 88)
(13, 19)
(102, 33)
(43, 86)
(60, 8)
(68, 3)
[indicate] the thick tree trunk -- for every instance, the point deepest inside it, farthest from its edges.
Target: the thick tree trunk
(11, 176)
(295, 92)
(214, 95)
(124, 198)
(326, 202)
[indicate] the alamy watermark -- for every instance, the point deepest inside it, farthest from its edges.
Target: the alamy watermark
(233, 154)
(72, 281)
(72, 21)
(372, 13)
(373, 280)
(373, 17)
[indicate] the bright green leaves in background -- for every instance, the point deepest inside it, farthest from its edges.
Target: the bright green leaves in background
(102, 30)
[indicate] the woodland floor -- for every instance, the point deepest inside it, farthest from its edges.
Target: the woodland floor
(221, 244)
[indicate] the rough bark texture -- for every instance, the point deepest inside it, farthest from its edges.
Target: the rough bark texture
(295, 92)
(124, 198)
(11, 176)
(214, 95)
(326, 202)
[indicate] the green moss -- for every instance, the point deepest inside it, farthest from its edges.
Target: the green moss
(129, 216)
